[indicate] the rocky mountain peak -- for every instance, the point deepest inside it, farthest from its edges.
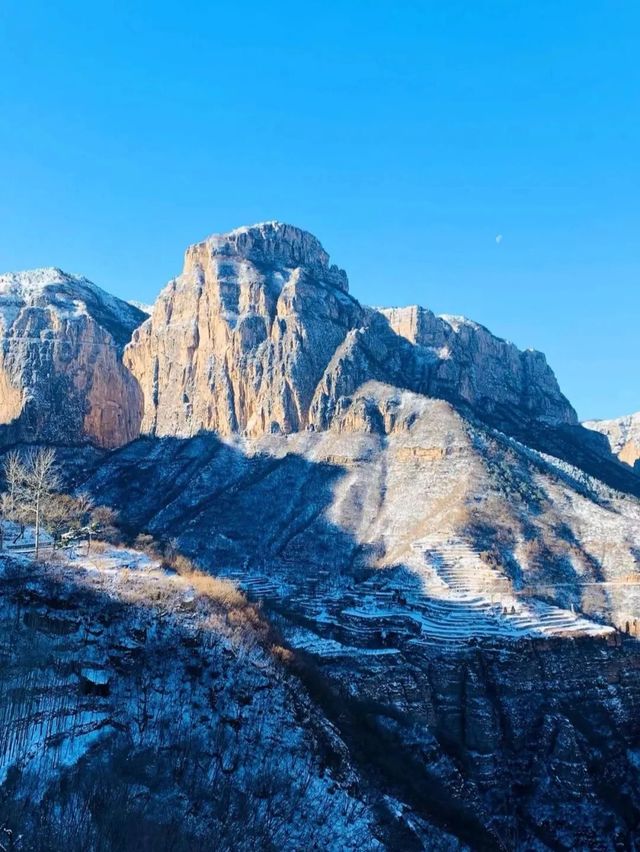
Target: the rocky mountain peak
(491, 374)
(257, 335)
(269, 244)
(67, 295)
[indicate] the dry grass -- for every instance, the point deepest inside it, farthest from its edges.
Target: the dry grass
(231, 611)
(147, 544)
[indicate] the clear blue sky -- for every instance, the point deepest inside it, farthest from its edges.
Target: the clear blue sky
(406, 135)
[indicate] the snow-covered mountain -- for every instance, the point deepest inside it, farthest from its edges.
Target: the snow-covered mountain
(450, 561)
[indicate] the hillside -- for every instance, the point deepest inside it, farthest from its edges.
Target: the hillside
(441, 569)
(129, 692)
(456, 593)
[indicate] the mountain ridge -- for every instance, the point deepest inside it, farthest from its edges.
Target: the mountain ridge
(449, 560)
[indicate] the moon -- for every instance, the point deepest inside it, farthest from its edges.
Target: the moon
(498, 238)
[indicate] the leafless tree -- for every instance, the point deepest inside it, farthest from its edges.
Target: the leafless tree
(68, 516)
(41, 482)
(31, 484)
(14, 476)
(103, 523)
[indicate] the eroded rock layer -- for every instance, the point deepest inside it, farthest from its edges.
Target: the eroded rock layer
(61, 374)
(623, 435)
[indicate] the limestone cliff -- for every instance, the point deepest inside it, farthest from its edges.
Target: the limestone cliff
(259, 334)
(61, 373)
(489, 373)
(240, 340)
(623, 434)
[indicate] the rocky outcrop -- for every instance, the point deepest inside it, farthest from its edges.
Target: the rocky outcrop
(260, 335)
(142, 708)
(623, 435)
(61, 375)
(239, 342)
(489, 373)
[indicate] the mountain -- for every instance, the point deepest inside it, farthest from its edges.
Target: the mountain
(447, 562)
(61, 374)
(259, 334)
(623, 435)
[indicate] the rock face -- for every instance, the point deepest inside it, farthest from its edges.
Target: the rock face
(61, 375)
(490, 374)
(260, 335)
(239, 342)
(623, 435)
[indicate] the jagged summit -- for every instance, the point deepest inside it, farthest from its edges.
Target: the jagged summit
(272, 244)
(33, 279)
(61, 374)
(259, 334)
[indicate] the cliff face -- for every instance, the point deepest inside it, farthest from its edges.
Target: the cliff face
(490, 374)
(623, 435)
(61, 375)
(240, 340)
(259, 335)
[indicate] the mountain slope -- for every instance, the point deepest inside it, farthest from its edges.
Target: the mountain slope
(141, 708)
(448, 592)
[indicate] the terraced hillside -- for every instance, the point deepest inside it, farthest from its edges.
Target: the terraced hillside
(448, 592)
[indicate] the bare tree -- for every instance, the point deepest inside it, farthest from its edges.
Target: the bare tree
(66, 517)
(15, 478)
(43, 479)
(31, 488)
(103, 522)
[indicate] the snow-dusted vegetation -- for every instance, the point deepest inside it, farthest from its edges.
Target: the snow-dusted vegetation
(140, 703)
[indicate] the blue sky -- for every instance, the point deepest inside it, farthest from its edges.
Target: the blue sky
(406, 136)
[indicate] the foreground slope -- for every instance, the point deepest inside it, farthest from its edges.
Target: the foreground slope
(145, 710)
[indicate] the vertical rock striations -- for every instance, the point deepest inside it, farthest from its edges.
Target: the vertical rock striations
(259, 334)
(240, 340)
(623, 435)
(61, 373)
